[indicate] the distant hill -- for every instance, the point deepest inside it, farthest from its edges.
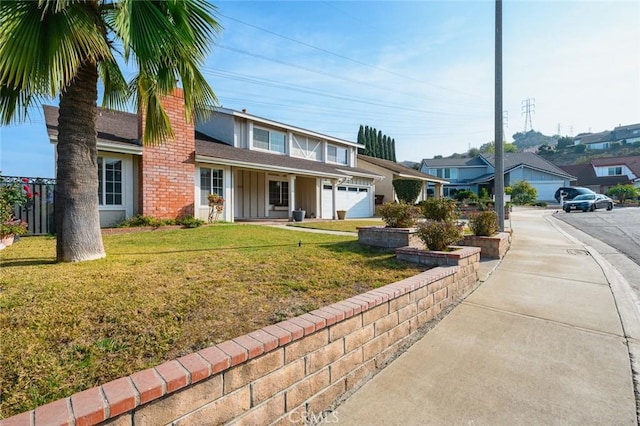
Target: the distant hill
(532, 139)
(411, 164)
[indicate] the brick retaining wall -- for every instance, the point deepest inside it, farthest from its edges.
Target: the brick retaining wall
(389, 238)
(281, 374)
(494, 247)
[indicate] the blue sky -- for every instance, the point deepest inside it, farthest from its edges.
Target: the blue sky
(422, 72)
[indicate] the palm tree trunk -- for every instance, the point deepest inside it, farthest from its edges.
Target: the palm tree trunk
(76, 194)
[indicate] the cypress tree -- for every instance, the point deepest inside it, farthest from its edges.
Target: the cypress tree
(393, 150)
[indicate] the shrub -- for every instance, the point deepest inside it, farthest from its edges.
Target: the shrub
(484, 223)
(398, 215)
(439, 209)
(623, 192)
(438, 235)
(407, 190)
(523, 192)
(190, 222)
(465, 195)
(484, 193)
(141, 221)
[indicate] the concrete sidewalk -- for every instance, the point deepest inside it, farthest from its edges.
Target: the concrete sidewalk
(539, 342)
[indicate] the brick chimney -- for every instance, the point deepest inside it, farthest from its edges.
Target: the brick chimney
(167, 170)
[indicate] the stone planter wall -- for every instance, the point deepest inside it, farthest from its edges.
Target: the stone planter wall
(389, 238)
(494, 247)
(286, 373)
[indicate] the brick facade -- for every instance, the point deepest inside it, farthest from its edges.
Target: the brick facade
(167, 170)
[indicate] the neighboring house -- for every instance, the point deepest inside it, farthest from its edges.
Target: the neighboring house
(392, 171)
(477, 173)
(603, 173)
(627, 134)
(604, 140)
(263, 169)
(601, 140)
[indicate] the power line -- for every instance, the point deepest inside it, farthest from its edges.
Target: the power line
(337, 55)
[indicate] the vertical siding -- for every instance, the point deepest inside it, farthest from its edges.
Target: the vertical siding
(249, 194)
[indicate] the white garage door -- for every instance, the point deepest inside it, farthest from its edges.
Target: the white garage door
(547, 189)
(355, 200)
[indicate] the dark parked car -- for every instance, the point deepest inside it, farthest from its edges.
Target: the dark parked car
(570, 192)
(588, 203)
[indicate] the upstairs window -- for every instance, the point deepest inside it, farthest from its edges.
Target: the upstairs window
(269, 140)
(615, 171)
(336, 154)
(444, 173)
(109, 181)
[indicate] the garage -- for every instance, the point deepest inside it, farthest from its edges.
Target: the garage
(547, 189)
(356, 200)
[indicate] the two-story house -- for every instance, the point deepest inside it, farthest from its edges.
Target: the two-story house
(262, 168)
(477, 173)
(601, 174)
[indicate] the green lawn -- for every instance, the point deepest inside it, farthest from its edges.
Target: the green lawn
(159, 295)
(340, 225)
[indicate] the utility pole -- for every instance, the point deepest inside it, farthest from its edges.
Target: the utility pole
(498, 135)
(528, 106)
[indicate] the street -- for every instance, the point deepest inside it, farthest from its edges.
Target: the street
(619, 228)
(617, 238)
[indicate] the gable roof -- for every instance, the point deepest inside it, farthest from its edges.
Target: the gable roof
(586, 175)
(513, 160)
(632, 162)
(400, 170)
(434, 163)
(590, 138)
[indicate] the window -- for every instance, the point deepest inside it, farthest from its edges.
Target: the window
(109, 182)
(269, 140)
(211, 182)
(444, 173)
(615, 171)
(278, 193)
(336, 154)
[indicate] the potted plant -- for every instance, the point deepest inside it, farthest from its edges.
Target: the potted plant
(216, 207)
(298, 215)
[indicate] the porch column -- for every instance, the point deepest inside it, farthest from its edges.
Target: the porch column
(438, 193)
(292, 195)
(334, 195)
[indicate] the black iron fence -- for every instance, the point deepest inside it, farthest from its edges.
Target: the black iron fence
(38, 211)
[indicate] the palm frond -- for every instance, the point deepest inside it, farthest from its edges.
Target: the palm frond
(169, 40)
(41, 49)
(116, 90)
(157, 127)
